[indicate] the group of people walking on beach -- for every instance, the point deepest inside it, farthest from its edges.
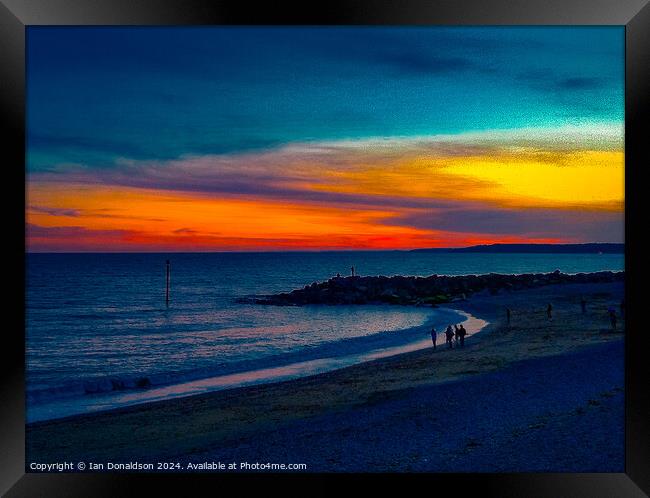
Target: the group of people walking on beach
(458, 333)
(456, 337)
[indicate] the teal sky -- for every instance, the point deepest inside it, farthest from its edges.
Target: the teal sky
(96, 95)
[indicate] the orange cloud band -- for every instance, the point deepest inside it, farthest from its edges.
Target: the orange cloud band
(331, 195)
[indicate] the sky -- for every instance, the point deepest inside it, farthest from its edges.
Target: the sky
(322, 138)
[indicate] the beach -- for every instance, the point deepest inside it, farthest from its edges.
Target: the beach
(537, 395)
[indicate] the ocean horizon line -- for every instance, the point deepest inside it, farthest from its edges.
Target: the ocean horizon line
(486, 248)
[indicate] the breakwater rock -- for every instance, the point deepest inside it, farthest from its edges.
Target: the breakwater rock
(431, 290)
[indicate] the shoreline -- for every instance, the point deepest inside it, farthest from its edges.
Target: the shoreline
(187, 426)
(115, 400)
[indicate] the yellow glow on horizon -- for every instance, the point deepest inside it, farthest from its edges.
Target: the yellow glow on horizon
(586, 179)
(591, 180)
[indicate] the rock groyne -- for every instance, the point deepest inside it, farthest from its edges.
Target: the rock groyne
(431, 290)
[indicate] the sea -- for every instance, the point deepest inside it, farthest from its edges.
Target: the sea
(100, 334)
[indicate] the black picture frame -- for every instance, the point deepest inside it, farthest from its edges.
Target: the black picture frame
(16, 15)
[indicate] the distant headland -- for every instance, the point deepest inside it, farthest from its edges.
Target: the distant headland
(590, 248)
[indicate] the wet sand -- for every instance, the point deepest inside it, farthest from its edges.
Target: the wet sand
(371, 407)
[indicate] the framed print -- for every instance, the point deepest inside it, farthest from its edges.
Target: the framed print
(375, 240)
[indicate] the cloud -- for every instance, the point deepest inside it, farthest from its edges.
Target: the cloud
(474, 217)
(76, 238)
(543, 183)
(424, 180)
(291, 172)
(57, 232)
(415, 51)
(581, 83)
(421, 63)
(49, 142)
(81, 239)
(55, 211)
(399, 172)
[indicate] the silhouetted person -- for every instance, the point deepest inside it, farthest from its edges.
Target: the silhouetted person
(456, 333)
(583, 304)
(508, 313)
(450, 336)
(549, 311)
(434, 336)
(462, 333)
(612, 318)
(352, 269)
(338, 275)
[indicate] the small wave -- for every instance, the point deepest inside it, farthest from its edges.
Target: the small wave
(91, 386)
(85, 316)
(106, 385)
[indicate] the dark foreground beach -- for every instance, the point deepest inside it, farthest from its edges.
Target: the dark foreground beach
(538, 395)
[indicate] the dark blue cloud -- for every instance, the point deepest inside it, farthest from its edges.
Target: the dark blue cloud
(51, 142)
(418, 63)
(581, 83)
(583, 225)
